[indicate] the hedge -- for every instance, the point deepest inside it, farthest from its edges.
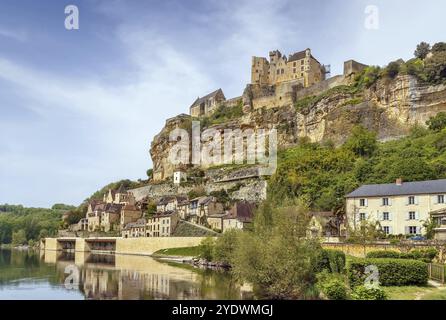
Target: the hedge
(392, 272)
(331, 261)
(426, 255)
(363, 293)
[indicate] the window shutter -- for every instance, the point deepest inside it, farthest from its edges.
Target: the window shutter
(390, 201)
(417, 216)
(416, 199)
(407, 201)
(390, 230)
(366, 203)
(390, 216)
(381, 216)
(407, 216)
(406, 230)
(418, 230)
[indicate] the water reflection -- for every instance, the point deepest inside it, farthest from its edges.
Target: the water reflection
(104, 276)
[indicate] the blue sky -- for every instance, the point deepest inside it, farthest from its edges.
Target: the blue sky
(79, 108)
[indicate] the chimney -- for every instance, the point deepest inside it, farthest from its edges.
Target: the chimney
(399, 182)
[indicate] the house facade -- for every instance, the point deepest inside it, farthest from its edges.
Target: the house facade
(400, 207)
(206, 105)
(239, 217)
(202, 207)
(135, 229)
(162, 224)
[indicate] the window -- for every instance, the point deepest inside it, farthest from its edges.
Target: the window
(386, 229)
(362, 202)
(282, 71)
(301, 61)
(440, 198)
(294, 70)
(412, 215)
(294, 63)
(302, 68)
(386, 216)
(412, 230)
(385, 201)
(362, 216)
(411, 200)
(278, 71)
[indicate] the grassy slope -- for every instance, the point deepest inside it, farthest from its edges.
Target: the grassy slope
(183, 252)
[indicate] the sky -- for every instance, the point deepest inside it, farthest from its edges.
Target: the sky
(79, 108)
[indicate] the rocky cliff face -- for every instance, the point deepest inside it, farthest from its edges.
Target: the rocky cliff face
(389, 107)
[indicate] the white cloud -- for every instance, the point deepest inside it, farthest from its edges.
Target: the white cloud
(17, 35)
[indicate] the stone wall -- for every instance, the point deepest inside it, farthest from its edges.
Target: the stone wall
(147, 246)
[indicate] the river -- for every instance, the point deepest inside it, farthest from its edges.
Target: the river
(50, 275)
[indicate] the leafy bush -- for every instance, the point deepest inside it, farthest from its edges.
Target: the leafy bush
(392, 272)
(331, 261)
(438, 122)
(207, 249)
(384, 254)
(225, 246)
(363, 293)
(426, 255)
(333, 287)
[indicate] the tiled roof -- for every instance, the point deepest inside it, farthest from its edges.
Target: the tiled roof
(406, 188)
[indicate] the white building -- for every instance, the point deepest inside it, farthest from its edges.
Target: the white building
(400, 208)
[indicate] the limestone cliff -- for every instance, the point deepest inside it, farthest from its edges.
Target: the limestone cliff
(326, 111)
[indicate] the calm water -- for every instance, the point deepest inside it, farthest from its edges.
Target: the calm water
(52, 275)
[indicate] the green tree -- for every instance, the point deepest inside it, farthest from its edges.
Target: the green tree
(362, 142)
(19, 237)
(277, 258)
(438, 122)
(422, 50)
(393, 69)
(438, 47)
(149, 173)
(435, 68)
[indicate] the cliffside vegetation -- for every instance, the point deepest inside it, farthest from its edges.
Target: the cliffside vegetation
(322, 175)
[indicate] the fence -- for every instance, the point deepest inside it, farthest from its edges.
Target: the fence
(436, 272)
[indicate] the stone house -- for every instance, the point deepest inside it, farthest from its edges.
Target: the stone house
(82, 225)
(169, 203)
(110, 217)
(93, 215)
(240, 216)
(135, 229)
(324, 224)
(129, 213)
(162, 224)
(183, 209)
(119, 196)
(208, 104)
(202, 207)
(400, 207)
(215, 221)
(300, 66)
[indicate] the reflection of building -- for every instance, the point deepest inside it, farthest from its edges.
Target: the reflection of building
(400, 207)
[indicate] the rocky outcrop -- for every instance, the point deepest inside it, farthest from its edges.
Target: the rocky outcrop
(389, 107)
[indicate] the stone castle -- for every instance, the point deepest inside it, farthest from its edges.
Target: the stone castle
(301, 66)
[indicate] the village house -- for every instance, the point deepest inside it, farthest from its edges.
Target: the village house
(169, 203)
(325, 225)
(82, 225)
(202, 207)
(119, 196)
(162, 224)
(215, 221)
(129, 213)
(93, 215)
(400, 207)
(208, 104)
(183, 209)
(135, 229)
(179, 176)
(300, 66)
(110, 217)
(239, 217)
